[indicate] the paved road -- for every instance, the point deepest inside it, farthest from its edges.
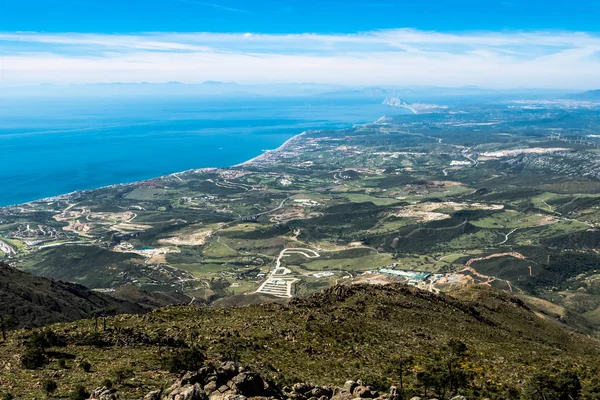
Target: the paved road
(279, 207)
(278, 283)
(507, 236)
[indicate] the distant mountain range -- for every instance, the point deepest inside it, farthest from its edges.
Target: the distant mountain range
(591, 95)
(218, 88)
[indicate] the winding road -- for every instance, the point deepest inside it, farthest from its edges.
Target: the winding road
(279, 207)
(278, 284)
(507, 236)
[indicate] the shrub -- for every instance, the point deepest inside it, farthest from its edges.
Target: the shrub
(457, 348)
(121, 374)
(107, 383)
(85, 366)
(95, 339)
(561, 386)
(45, 339)
(49, 386)
(79, 393)
(6, 396)
(7, 322)
(33, 358)
(185, 360)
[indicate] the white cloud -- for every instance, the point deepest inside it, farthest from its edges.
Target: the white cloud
(403, 56)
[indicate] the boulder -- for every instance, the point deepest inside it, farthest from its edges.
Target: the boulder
(302, 388)
(191, 378)
(187, 392)
(210, 387)
(229, 395)
(104, 393)
(154, 395)
(229, 368)
(363, 392)
(296, 396)
(249, 384)
(224, 389)
(320, 392)
(350, 386)
(341, 394)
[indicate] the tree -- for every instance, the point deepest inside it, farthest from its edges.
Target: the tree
(569, 385)
(107, 312)
(564, 385)
(33, 357)
(457, 378)
(7, 322)
(402, 367)
(457, 348)
(424, 381)
(446, 374)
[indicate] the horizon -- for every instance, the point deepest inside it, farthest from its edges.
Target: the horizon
(502, 45)
(399, 57)
(322, 84)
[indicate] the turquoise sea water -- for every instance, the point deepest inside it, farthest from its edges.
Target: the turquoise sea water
(55, 146)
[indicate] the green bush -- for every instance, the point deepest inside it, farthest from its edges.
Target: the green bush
(107, 383)
(33, 358)
(85, 366)
(96, 339)
(121, 374)
(561, 386)
(45, 339)
(49, 386)
(6, 396)
(185, 360)
(79, 393)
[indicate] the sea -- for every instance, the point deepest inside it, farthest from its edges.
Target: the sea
(52, 146)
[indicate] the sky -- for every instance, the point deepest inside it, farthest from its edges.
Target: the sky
(497, 44)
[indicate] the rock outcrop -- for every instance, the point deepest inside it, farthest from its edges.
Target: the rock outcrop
(228, 381)
(225, 381)
(104, 393)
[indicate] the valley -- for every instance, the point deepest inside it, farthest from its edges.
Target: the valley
(493, 194)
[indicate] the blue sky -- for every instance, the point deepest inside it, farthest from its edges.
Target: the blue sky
(296, 16)
(430, 42)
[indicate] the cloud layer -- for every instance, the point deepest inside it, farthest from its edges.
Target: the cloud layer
(398, 57)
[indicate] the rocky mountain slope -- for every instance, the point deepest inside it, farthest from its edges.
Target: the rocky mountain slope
(33, 301)
(478, 342)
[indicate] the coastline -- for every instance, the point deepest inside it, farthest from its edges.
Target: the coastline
(280, 148)
(253, 160)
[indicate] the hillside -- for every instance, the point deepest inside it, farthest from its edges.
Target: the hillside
(589, 95)
(346, 332)
(505, 194)
(34, 301)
